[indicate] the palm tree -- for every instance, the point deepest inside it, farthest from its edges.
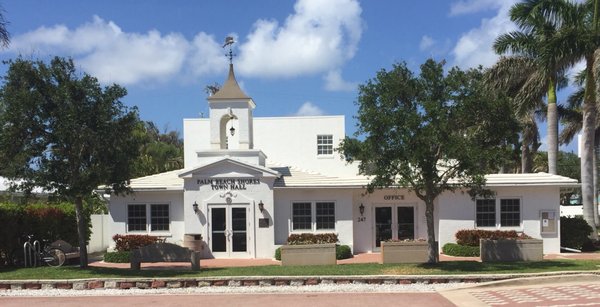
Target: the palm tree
(532, 42)
(579, 39)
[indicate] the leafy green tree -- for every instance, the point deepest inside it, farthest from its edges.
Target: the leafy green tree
(160, 152)
(65, 133)
(430, 133)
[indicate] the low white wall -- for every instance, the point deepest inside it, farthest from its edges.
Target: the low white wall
(100, 237)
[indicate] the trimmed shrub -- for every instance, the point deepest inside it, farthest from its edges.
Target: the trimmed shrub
(342, 252)
(453, 249)
(471, 237)
(125, 243)
(574, 232)
(278, 254)
(117, 257)
(311, 238)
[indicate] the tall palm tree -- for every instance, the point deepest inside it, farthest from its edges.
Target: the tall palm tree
(579, 39)
(4, 35)
(532, 42)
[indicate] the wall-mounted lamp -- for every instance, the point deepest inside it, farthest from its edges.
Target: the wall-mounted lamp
(195, 206)
(232, 130)
(261, 206)
(361, 209)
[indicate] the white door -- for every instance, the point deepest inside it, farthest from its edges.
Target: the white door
(393, 222)
(228, 230)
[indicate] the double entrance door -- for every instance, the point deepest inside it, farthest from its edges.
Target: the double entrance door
(393, 222)
(228, 230)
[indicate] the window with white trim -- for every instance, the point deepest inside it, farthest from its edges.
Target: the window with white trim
(301, 216)
(485, 212)
(325, 145)
(148, 218)
(510, 212)
(504, 212)
(313, 216)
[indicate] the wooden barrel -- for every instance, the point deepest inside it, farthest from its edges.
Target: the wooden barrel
(193, 242)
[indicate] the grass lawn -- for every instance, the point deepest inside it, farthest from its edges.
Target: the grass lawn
(442, 268)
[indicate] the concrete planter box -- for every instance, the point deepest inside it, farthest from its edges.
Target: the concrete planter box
(309, 254)
(512, 250)
(404, 252)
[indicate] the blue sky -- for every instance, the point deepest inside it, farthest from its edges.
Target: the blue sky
(302, 57)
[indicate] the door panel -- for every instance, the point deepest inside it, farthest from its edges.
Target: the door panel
(238, 227)
(228, 230)
(383, 225)
(218, 227)
(406, 223)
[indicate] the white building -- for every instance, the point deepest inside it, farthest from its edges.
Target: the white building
(249, 183)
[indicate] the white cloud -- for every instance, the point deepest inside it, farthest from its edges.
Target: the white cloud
(473, 6)
(318, 37)
(309, 109)
(426, 43)
(334, 82)
(475, 47)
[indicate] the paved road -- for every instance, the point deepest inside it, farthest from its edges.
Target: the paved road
(540, 292)
(233, 300)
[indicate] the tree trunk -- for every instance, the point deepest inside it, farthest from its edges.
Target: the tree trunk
(596, 153)
(525, 158)
(81, 232)
(587, 150)
(434, 256)
(552, 135)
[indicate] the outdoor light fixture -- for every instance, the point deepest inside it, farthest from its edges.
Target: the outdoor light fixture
(232, 130)
(195, 206)
(261, 206)
(361, 209)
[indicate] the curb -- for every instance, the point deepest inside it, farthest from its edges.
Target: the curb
(248, 281)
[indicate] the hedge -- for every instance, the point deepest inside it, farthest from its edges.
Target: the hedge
(311, 238)
(453, 249)
(45, 221)
(471, 237)
(574, 232)
(125, 243)
(117, 257)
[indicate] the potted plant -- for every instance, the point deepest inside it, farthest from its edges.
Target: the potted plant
(404, 251)
(309, 249)
(521, 248)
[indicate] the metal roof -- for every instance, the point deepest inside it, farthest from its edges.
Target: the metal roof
(230, 90)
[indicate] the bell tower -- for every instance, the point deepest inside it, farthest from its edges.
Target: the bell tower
(231, 113)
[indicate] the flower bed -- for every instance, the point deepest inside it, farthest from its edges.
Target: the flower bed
(309, 249)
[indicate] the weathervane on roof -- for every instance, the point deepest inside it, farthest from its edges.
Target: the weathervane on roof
(228, 42)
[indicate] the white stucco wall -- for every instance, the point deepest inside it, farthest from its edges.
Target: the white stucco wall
(457, 211)
(118, 213)
(343, 212)
(285, 140)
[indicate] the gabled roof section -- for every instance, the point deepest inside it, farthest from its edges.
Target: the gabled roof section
(164, 181)
(188, 173)
(230, 90)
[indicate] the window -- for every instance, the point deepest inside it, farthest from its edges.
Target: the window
(508, 209)
(510, 212)
(486, 212)
(148, 217)
(325, 215)
(159, 217)
(136, 218)
(325, 144)
(301, 216)
(310, 216)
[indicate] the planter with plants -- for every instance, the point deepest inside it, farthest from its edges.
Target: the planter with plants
(496, 245)
(406, 251)
(309, 249)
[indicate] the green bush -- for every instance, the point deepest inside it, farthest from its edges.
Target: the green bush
(311, 238)
(342, 252)
(124, 243)
(574, 232)
(453, 249)
(278, 254)
(117, 257)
